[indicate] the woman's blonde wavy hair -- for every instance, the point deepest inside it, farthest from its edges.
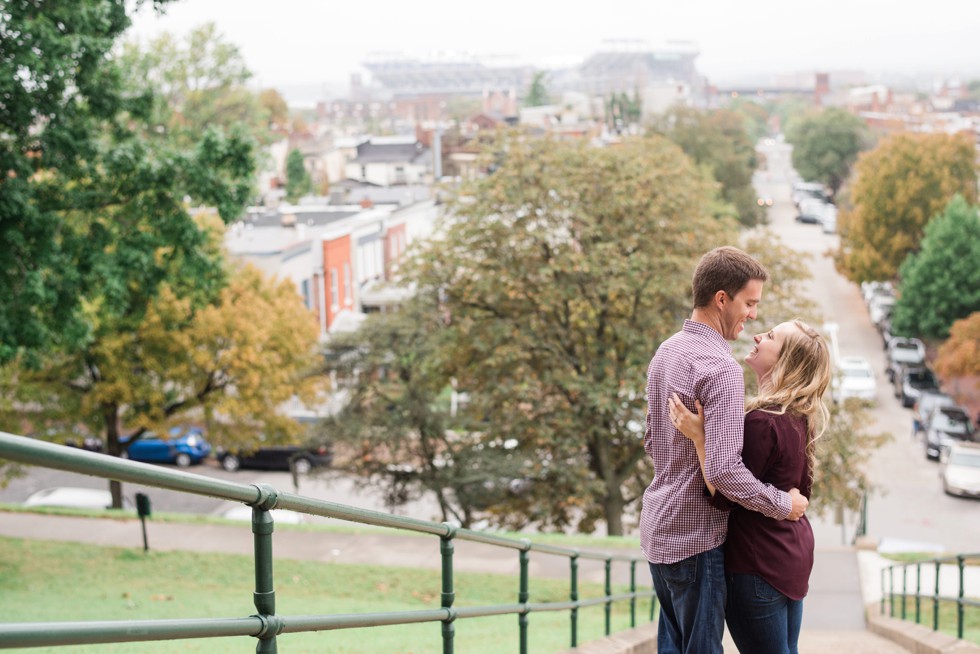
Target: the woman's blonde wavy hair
(797, 383)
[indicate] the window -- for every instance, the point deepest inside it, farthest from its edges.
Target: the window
(334, 289)
(305, 290)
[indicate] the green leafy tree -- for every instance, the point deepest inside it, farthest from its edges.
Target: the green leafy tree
(560, 273)
(537, 93)
(898, 187)
(941, 282)
(298, 182)
(58, 91)
(398, 427)
(826, 145)
(718, 141)
(200, 82)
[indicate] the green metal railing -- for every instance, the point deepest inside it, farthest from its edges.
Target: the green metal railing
(266, 625)
(961, 601)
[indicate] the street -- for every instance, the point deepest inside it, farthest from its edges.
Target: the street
(910, 509)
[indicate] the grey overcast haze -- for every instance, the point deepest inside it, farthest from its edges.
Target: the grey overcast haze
(321, 43)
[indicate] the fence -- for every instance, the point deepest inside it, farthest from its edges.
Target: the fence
(960, 600)
(266, 625)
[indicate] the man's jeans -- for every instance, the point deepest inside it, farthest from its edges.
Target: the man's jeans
(760, 618)
(692, 604)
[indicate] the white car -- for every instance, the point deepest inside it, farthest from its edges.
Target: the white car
(854, 378)
(961, 472)
(75, 498)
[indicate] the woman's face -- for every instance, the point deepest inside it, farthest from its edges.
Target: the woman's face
(767, 348)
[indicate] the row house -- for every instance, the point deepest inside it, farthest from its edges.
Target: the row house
(340, 258)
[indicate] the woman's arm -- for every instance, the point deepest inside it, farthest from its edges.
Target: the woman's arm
(692, 426)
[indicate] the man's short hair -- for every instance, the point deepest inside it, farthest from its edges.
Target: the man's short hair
(724, 269)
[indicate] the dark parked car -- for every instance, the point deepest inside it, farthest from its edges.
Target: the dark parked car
(909, 352)
(913, 382)
(184, 447)
(277, 457)
(947, 425)
(923, 407)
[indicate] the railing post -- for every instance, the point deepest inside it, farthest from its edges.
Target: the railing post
(608, 595)
(891, 591)
(573, 561)
(446, 548)
(935, 600)
(264, 596)
(918, 590)
(959, 601)
(883, 591)
(633, 593)
(522, 596)
(905, 590)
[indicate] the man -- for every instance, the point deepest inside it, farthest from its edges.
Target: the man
(680, 532)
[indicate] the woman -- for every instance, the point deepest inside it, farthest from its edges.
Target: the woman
(768, 562)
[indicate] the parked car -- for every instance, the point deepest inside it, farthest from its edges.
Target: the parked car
(912, 382)
(908, 352)
(76, 498)
(880, 308)
(185, 446)
(854, 378)
(922, 409)
(808, 191)
(961, 470)
(277, 457)
(947, 425)
(811, 210)
(828, 220)
(870, 290)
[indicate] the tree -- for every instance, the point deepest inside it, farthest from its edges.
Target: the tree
(898, 187)
(840, 480)
(58, 89)
(200, 82)
(959, 356)
(560, 273)
(537, 94)
(298, 181)
(229, 363)
(941, 282)
(397, 423)
(718, 141)
(826, 144)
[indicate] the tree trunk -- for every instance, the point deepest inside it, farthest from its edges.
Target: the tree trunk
(113, 448)
(613, 505)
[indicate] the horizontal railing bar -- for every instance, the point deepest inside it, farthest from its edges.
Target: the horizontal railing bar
(953, 559)
(41, 634)
(52, 455)
(301, 623)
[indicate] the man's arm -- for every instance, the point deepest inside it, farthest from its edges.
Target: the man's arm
(722, 396)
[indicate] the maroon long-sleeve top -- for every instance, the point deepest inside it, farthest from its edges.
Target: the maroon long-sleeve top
(779, 551)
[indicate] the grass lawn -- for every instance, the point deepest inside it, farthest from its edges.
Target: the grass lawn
(51, 581)
(947, 616)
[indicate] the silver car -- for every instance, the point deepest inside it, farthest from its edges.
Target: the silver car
(961, 472)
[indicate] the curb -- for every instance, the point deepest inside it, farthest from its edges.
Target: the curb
(914, 637)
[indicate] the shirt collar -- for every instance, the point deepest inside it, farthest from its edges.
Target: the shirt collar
(704, 331)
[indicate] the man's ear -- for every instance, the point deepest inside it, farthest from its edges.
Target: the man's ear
(721, 297)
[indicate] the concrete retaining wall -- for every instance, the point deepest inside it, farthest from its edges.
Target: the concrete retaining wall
(641, 640)
(916, 638)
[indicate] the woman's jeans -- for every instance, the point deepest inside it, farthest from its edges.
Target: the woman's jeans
(692, 604)
(760, 619)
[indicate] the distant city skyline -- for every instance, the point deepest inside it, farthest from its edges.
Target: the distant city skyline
(294, 43)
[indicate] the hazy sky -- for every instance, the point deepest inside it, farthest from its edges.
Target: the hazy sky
(316, 41)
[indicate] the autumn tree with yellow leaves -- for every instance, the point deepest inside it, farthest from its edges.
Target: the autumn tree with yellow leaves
(899, 187)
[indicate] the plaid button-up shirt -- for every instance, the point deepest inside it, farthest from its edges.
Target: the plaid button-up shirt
(677, 520)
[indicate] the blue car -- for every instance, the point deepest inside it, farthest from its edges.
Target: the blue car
(185, 446)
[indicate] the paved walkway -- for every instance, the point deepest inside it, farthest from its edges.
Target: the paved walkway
(833, 617)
